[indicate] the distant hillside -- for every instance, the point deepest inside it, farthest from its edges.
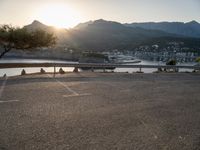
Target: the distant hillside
(36, 25)
(105, 35)
(83, 25)
(61, 34)
(190, 29)
(102, 35)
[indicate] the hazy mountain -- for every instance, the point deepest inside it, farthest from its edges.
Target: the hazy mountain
(191, 29)
(102, 35)
(61, 34)
(36, 25)
(107, 35)
(83, 25)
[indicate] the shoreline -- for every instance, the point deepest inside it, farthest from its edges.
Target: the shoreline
(89, 72)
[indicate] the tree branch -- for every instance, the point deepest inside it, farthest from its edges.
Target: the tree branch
(6, 50)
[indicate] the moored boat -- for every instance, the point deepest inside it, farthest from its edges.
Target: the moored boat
(94, 58)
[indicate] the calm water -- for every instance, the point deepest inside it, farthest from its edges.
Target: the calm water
(150, 70)
(17, 71)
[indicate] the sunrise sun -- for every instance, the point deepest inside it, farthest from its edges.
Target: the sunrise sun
(58, 15)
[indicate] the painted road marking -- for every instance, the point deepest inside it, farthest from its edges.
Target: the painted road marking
(10, 101)
(1, 92)
(67, 87)
(85, 94)
(3, 86)
(74, 93)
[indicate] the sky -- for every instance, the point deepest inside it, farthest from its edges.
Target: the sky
(68, 13)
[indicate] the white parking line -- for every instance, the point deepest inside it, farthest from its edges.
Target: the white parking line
(3, 86)
(85, 94)
(10, 101)
(1, 92)
(68, 88)
(74, 93)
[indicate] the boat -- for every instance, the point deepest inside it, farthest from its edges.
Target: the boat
(95, 58)
(123, 59)
(128, 62)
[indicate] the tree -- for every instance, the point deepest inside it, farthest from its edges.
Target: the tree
(198, 60)
(171, 62)
(20, 38)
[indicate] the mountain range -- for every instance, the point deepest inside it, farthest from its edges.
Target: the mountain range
(190, 29)
(106, 35)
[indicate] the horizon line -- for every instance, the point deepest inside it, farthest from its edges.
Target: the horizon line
(164, 21)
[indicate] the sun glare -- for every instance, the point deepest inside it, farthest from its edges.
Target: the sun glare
(58, 15)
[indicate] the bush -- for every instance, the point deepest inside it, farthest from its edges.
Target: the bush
(23, 72)
(171, 62)
(42, 70)
(198, 60)
(61, 71)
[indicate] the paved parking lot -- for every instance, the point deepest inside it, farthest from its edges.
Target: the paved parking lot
(100, 111)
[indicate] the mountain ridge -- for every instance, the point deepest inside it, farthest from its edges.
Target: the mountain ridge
(189, 29)
(37, 25)
(102, 35)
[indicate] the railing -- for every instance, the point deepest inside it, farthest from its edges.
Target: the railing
(91, 65)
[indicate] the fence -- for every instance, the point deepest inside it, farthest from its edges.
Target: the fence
(91, 65)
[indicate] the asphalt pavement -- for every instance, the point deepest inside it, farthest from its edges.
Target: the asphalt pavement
(100, 111)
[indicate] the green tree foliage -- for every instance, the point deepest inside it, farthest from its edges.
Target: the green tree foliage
(171, 62)
(20, 38)
(198, 60)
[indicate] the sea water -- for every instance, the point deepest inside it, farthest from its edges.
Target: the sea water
(17, 71)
